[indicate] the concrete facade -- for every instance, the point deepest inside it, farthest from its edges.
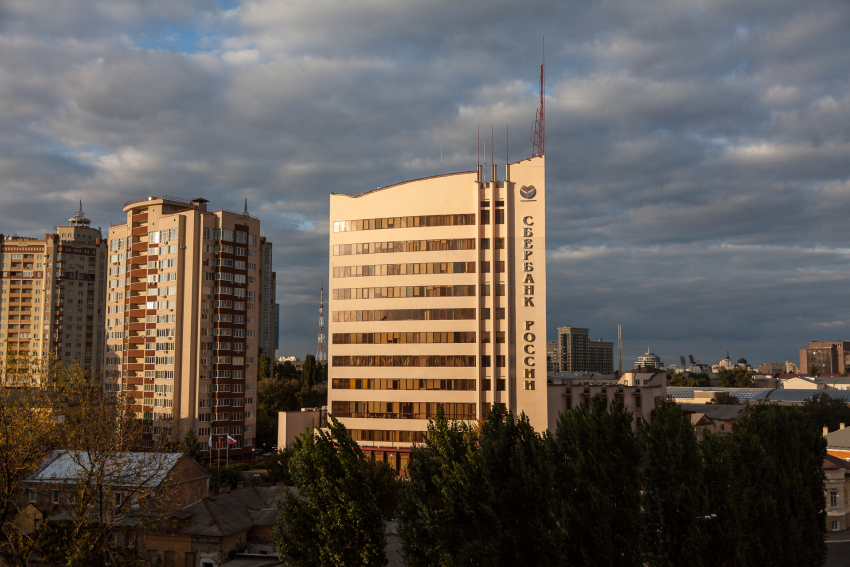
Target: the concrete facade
(52, 294)
(184, 318)
(438, 300)
(830, 357)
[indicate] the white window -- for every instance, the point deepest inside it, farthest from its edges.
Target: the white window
(833, 498)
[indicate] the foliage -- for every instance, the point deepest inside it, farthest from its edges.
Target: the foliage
(228, 475)
(689, 381)
(309, 372)
(725, 398)
(735, 378)
(479, 498)
(824, 410)
(598, 502)
(189, 444)
(814, 370)
(56, 406)
(263, 367)
(385, 485)
(285, 371)
(672, 473)
(332, 519)
(277, 466)
(274, 396)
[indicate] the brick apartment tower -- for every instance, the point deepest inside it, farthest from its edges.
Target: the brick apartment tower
(185, 317)
(437, 300)
(53, 292)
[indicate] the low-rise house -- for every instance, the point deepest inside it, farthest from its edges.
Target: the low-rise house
(716, 418)
(215, 529)
(838, 442)
(837, 490)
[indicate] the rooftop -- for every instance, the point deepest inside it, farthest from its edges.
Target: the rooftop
(402, 183)
(839, 439)
(715, 411)
(122, 469)
(761, 394)
(230, 512)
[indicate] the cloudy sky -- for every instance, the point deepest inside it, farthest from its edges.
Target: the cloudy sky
(698, 151)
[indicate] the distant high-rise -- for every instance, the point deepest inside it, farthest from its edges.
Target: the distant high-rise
(53, 293)
(187, 318)
(830, 357)
(580, 354)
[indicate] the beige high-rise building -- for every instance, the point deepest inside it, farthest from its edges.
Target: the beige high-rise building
(438, 300)
(52, 294)
(184, 320)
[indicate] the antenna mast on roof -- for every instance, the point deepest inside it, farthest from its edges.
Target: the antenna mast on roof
(538, 127)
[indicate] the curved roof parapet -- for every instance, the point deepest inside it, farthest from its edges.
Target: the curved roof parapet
(403, 183)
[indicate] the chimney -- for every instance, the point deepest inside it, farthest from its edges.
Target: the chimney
(825, 430)
(840, 426)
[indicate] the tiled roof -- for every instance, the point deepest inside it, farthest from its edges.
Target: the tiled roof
(122, 469)
(230, 512)
(833, 462)
(715, 411)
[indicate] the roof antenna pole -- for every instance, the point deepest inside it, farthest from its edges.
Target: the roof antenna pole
(441, 159)
(478, 165)
(538, 127)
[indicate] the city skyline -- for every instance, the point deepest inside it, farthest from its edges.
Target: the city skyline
(697, 180)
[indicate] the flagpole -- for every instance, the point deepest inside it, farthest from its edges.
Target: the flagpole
(227, 453)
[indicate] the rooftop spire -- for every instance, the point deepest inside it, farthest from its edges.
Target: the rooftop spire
(245, 212)
(79, 219)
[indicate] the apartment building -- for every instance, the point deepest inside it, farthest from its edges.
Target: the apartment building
(579, 354)
(266, 340)
(52, 294)
(185, 318)
(830, 357)
(438, 301)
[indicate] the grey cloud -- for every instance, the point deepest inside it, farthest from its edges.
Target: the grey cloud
(698, 181)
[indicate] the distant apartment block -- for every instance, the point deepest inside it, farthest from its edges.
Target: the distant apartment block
(190, 296)
(52, 294)
(830, 357)
(772, 368)
(579, 354)
(553, 357)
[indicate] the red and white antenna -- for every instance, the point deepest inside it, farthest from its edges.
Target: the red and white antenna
(321, 353)
(538, 127)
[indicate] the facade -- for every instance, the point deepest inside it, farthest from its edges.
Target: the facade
(830, 357)
(266, 331)
(184, 318)
(716, 418)
(579, 354)
(52, 294)
(438, 301)
(837, 491)
(553, 357)
(772, 368)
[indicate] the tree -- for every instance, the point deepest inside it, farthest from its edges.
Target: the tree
(308, 371)
(725, 398)
(332, 519)
(689, 381)
(825, 411)
(278, 466)
(385, 485)
(672, 471)
(735, 378)
(263, 367)
(598, 503)
(479, 498)
(189, 444)
(814, 370)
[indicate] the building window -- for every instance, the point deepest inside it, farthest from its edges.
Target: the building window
(835, 526)
(833, 498)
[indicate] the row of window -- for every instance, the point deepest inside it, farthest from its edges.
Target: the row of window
(225, 416)
(402, 338)
(389, 436)
(404, 222)
(404, 246)
(404, 269)
(402, 410)
(229, 235)
(405, 291)
(500, 216)
(459, 384)
(357, 315)
(427, 360)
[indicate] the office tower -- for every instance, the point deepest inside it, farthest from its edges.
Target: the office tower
(184, 318)
(438, 300)
(53, 294)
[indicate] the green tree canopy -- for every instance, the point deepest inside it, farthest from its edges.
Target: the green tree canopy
(824, 410)
(309, 371)
(725, 398)
(598, 502)
(189, 444)
(735, 378)
(332, 519)
(689, 381)
(814, 370)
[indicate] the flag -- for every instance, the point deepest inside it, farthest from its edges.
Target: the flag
(209, 443)
(231, 440)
